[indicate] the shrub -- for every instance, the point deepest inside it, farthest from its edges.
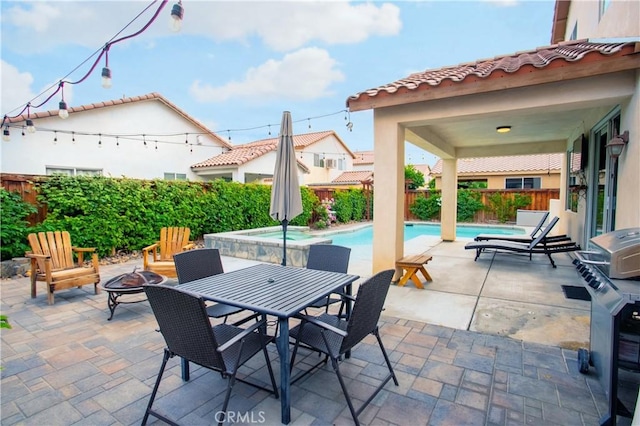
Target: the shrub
(15, 227)
(468, 204)
(505, 205)
(343, 206)
(427, 208)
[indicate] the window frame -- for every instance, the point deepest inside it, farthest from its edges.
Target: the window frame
(534, 179)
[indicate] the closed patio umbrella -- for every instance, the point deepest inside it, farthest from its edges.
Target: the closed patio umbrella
(286, 202)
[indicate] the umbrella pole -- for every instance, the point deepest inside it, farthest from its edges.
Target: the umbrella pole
(284, 242)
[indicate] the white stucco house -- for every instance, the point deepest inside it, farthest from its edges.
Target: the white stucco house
(575, 96)
(144, 137)
(322, 156)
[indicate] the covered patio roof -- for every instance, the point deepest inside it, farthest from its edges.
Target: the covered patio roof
(548, 97)
(461, 106)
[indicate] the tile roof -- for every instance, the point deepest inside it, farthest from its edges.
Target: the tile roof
(570, 51)
(501, 165)
(353, 177)
(237, 156)
(124, 100)
(241, 154)
(363, 157)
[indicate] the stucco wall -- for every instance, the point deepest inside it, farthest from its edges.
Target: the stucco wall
(547, 181)
(620, 19)
(331, 148)
(33, 153)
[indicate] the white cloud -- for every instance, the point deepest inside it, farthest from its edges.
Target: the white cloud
(285, 26)
(302, 75)
(32, 27)
(16, 88)
(17, 91)
(281, 25)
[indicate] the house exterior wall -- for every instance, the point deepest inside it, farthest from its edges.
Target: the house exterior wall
(628, 200)
(263, 165)
(331, 148)
(547, 181)
(33, 153)
(362, 167)
(616, 21)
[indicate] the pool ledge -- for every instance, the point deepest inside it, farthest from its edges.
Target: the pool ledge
(247, 244)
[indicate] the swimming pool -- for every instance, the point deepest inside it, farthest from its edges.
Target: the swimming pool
(364, 236)
(265, 244)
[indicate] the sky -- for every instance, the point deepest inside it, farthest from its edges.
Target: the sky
(235, 66)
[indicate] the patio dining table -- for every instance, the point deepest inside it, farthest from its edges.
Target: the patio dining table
(269, 289)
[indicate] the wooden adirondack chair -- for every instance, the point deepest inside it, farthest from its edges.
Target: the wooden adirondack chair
(158, 257)
(52, 262)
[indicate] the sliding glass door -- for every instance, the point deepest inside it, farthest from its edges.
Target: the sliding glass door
(603, 172)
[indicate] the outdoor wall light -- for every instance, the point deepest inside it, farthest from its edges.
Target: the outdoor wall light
(62, 110)
(106, 78)
(177, 12)
(503, 129)
(6, 136)
(617, 143)
(30, 127)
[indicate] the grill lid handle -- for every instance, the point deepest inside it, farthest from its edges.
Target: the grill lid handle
(584, 260)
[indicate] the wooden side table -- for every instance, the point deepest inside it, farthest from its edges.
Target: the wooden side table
(411, 265)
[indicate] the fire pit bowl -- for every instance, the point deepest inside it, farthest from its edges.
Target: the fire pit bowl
(130, 283)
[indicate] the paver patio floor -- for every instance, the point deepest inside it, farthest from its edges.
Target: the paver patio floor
(66, 364)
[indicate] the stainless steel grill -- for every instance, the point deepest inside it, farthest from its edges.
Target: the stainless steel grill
(611, 270)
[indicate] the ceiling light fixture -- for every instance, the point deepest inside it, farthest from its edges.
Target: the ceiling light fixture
(6, 135)
(177, 12)
(503, 129)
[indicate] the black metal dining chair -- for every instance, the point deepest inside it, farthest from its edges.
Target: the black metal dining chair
(186, 329)
(334, 337)
(328, 257)
(200, 263)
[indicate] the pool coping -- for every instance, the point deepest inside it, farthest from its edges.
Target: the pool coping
(243, 244)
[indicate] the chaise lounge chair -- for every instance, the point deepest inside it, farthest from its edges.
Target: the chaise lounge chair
(538, 246)
(526, 238)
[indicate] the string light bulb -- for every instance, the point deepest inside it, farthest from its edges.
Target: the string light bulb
(106, 78)
(175, 22)
(30, 127)
(62, 106)
(6, 135)
(29, 122)
(62, 110)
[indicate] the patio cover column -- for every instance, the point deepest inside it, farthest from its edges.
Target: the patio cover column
(449, 199)
(388, 193)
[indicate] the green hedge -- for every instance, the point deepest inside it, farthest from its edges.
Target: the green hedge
(15, 227)
(127, 214)
(121, 214)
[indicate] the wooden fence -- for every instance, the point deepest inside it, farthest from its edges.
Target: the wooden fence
(23, 184)
(539, 201)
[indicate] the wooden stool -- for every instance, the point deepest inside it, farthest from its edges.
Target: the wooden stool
(412, 264)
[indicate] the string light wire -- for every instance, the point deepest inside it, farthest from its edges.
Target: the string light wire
(102, 51)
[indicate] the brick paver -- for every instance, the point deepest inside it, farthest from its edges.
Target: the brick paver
(66, 364)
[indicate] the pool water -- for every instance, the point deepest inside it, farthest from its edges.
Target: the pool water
(364, 236)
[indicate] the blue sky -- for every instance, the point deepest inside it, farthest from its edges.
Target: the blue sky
(237, 64)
